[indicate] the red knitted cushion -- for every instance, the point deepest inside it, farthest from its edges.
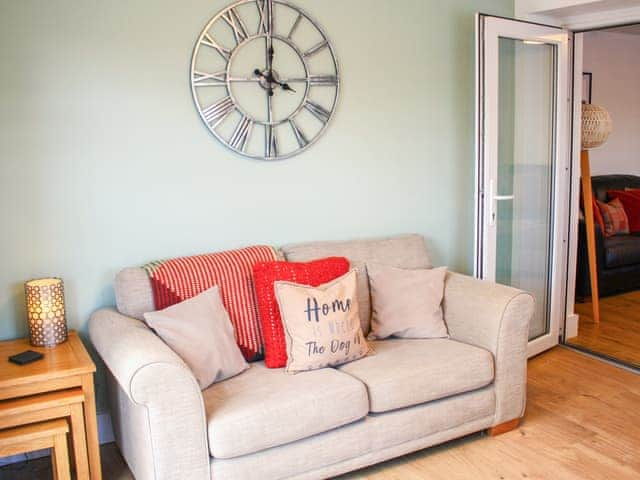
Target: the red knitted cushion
(178, 279)
(313, 274)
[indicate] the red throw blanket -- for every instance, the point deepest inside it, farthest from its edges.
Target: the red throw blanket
(178, 279)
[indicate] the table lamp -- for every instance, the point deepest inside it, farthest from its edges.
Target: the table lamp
(596, 127)
(45, 311)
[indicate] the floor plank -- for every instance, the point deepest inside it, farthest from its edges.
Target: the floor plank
(577, 426)
(582, 422)
(618, 333)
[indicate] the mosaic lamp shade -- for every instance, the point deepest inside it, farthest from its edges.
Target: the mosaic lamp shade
(596, 126)
(45, 311)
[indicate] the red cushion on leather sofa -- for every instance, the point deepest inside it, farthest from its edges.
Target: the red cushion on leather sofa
(313, 273)
(597, 215)
(631, 203)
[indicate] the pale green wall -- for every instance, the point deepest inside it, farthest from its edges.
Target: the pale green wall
(105, 162)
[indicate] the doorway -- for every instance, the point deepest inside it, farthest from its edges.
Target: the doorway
(607, 61)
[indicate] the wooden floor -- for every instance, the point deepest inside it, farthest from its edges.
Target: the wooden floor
(582, 422)
(618, 333)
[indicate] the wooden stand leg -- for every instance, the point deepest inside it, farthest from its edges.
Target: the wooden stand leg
(60, 458)
(587, 196)
(503, 427)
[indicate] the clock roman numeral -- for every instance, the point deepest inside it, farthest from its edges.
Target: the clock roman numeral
(210, 42)
(214, 114)
(317, 111)
(302, 140)
(237, 25)
(295, 25)
(323, 80)
(271, 145)
(315, 49)
(265, 17)
(203, 79)
(241, 134)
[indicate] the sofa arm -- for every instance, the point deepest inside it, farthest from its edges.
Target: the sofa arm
(496, 318)
(153, 376)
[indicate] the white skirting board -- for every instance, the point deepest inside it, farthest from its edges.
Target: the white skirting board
(105, 435)
(571, 326)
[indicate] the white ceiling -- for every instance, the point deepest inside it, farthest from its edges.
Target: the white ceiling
(579, 14)
(581, 8)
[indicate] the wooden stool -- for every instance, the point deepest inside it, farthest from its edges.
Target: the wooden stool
(51, 434)
(49, 406)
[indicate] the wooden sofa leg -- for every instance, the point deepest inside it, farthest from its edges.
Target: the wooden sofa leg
(503, 427)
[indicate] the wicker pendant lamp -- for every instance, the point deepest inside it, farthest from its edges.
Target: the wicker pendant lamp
(596, 128)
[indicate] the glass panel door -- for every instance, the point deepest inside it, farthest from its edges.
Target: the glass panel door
(521, 161)
(526, 93)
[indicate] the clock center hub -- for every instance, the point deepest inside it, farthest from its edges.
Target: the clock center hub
(267, 96)
(269, 80)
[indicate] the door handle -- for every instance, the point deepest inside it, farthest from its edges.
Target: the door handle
(493, 203)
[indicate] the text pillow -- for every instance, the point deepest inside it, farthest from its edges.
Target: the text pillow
(200, 332)
(406, 303)
(322, 325)
(265, 274)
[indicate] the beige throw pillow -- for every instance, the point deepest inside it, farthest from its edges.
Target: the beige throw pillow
(200, 332)
(406, 303)
(322, 326)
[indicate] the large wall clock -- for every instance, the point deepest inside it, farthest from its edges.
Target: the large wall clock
(265, 78)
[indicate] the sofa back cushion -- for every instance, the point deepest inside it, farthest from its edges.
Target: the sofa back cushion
(402, 251)
(160, 284)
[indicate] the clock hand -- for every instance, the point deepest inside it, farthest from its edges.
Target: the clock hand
(270, 68)
(285, 86)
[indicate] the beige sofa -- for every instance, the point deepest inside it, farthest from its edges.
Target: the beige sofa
(266, 424)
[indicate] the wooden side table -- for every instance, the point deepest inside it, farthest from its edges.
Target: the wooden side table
(50, 406)
(36, 436)
(64, 366)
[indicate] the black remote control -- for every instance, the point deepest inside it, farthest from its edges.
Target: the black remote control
(25, 357)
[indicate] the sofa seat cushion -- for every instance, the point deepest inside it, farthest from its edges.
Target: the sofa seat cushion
(263, 408)
(622, 250)
(406, 372)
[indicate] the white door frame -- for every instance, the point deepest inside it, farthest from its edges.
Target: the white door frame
(491, 28)
(571, 318)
